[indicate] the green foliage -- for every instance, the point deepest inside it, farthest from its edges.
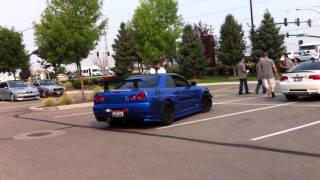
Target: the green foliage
(268, 39)
(48, 102)
(156, 27)
(61, 70)
(94, 91)
(12, 52)
(68, 86)
(25, 73)
(125, 52)
(220, 69)
(191, 57)
(232, 44)
(66, 99)
(69, 30)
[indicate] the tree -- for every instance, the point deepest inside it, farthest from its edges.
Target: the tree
(156, 28)
(25, 73)
(125, 52)
(69, 30)
(205, 33)
(268, 39)
(232, 44)
(12, 52)
(191, 59)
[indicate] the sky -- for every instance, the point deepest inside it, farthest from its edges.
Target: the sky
(21, 14)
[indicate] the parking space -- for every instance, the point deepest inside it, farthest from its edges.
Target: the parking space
(252, 136)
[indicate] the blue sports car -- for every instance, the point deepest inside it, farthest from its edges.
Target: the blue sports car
(153, 97)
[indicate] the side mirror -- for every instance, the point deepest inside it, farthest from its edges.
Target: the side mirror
(192, 83)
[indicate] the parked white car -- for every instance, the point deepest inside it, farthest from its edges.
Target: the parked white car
(302, 80)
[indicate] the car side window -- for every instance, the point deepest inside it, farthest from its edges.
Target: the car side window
(179, 81)
(170, 82)
(1, 85)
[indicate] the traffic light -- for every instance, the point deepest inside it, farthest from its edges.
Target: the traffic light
(287, 35)
(98, 54)
(297, 22)
(285, 21)
(309, 22)
(300, 42)
(108, 53)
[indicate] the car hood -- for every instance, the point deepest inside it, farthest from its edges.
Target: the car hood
(24, 90)
(51, 87)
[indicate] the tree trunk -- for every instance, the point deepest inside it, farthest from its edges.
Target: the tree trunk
(81, 79)
(234, 70)
(14, 75)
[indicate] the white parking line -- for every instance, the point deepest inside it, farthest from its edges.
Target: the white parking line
(226, 115)
(70, 115)
(285, 131)
(221, 95)
(238, 100)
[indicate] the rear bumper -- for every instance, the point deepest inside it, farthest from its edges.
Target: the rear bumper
(143, 111)
(300, 88)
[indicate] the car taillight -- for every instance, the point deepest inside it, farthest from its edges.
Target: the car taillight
(315, 77)
(140, 96)
(283, 78)
(98, 99)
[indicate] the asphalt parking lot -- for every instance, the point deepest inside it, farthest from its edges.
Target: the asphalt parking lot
(242, 137)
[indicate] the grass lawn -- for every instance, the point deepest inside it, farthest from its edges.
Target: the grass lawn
(213, 79)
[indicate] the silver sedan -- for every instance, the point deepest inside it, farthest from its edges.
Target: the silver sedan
(17, 91)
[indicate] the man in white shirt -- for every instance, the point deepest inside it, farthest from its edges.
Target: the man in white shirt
(160, 69)
(150, 69)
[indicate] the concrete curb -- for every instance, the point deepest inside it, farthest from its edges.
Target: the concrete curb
(64, 107)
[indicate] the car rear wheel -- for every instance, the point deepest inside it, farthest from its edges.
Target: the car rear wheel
(206, 103)
(291, 97)
(167, 113)
(12, 98)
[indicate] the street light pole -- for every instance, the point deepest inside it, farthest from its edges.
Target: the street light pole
(252, 25)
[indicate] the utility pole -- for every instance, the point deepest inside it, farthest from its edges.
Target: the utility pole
(252, 25)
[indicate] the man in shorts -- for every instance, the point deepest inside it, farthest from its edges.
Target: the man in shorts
(267, 71)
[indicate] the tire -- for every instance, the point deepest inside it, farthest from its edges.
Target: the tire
(206, 103)
(167, 114)
(12, 98)
(43, 94)
(291, 97)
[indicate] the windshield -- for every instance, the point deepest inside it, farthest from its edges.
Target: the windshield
(47, 83)
(17, 84)
(147, 81)
(306, 66)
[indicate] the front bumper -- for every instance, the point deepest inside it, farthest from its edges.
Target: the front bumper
(143, 111)
(22, 97)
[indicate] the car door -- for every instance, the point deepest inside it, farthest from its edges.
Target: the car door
(186, 96)
(1, 91)
(5, 91)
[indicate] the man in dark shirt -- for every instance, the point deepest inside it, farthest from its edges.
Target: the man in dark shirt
(242, 75)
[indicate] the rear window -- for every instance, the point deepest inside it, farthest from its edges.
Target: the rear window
(309, 65)
(148, 81)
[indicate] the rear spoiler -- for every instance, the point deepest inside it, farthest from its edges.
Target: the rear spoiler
(106, 83)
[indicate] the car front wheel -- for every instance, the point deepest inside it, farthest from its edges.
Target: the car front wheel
(43, 94)
(12, 98)
(290, 97)
(206, 103)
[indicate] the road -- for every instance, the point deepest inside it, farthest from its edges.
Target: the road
(242, 137)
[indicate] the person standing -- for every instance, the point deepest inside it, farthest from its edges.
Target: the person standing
(242, 75)
(160, 69)
(150, 69)
(267, 71)
(287, 64)
(259, 78)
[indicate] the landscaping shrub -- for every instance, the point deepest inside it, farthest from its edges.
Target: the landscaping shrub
(48, 102)
(76, 84)
(221, 69)
(66, 99)
(68, 86)
(94, 91)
